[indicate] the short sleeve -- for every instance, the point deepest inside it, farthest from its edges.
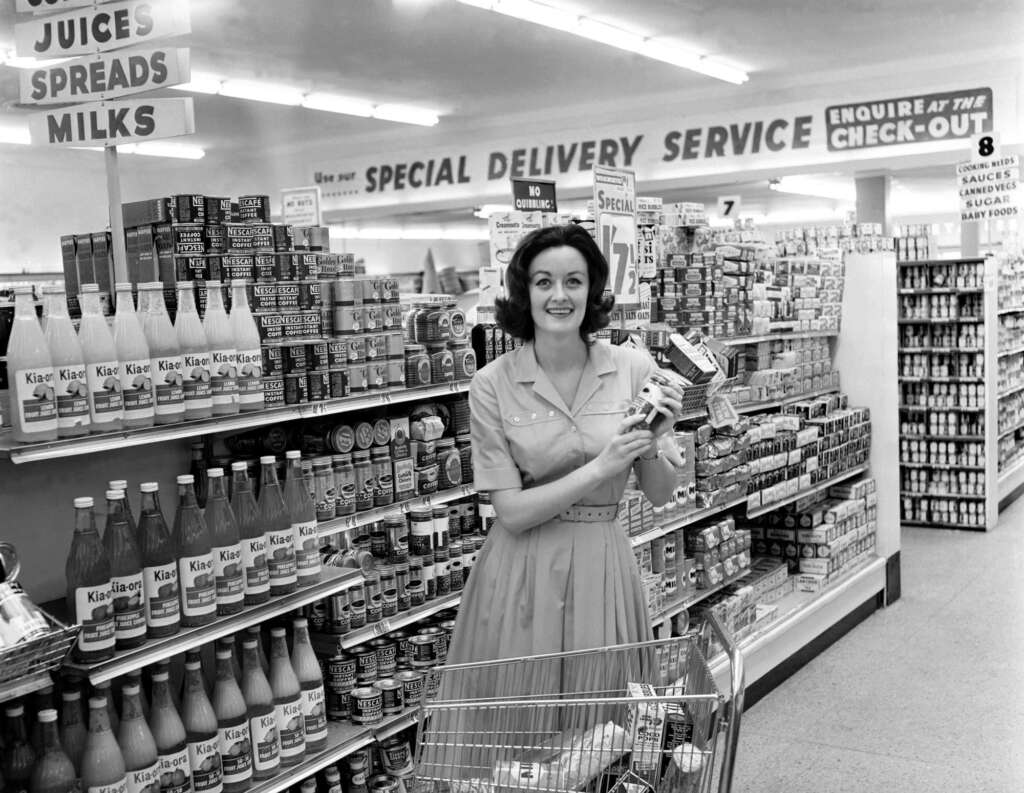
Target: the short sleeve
(493, 466)
(641, 367)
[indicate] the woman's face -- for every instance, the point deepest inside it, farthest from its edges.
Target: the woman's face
(559, 285)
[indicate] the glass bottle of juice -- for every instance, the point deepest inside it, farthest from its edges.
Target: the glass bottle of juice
(89, 596)
(125, 574)
(169, 734)
(195, 558)
(135, 367)
(30, 373)
(138, 747)
(252, 539)
(72, 727)
(200, 729)
(102, 369)
(159, 566)
(103, 768)
(18, 757)
(198, 467)
(103, 690)
(68, 365)
(122, 485)
(42, 700)
(259, 704)
(54, 772)
(227, 555)
(249, 355)
(227, 643)
(164, 355)
(311, 682)
(232, 725)
(195, 355)
(278, 529)
(332, 779)
(135, 679)
(302, 514)
(223, 354)
(253, 632)
(287, 700)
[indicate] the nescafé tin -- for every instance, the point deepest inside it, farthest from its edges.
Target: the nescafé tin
(254, 208)
(310, 295)
(391, 695)
(273, 360)
(366, 663)
(288, 295)
(264, 266)
(317, 356)
(270, 327)
(296, 389)
(318, 386)
(412, 685)
(264, 297)
(366, 705)
(337, 380)
(273, 391)
(294, 358)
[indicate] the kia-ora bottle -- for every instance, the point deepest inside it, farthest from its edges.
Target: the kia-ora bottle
(73, 732)
(164, 355)
(291, 724)
(169, 734)
(89, 595)
(200, 729)
(302, 514)
(195, 355)
(142, 764)
(233, 735)
(159, 566)
(248, 354)
(134, 362)
(54, 772)
(122, 485)
(126, 579)
(259, 704)
(277, 526)
(33, 404)
(19, 757)
(229, 582)
(195, 558)
(223, 353)
(311, 683)
(72, 391)
(103, 769)
(252, 540)
(102, 369)
(104, 690)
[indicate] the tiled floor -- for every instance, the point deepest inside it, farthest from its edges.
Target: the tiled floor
(926, 695)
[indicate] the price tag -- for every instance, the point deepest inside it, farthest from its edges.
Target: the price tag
(454, 387)
(382, 627)
(352, 521)
(753, 501)
(384, 397)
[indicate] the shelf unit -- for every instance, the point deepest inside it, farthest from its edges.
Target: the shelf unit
(369, 516)
(23, 686)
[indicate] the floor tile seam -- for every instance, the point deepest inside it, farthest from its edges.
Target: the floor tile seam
(842, 748)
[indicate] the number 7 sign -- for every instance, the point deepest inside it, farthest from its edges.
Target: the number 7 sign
(729, 206)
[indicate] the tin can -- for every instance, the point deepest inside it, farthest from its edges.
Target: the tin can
(337, 380)
(363, 480)
(382, 783)
(396, 757)
(262, 237)
(371, 318)
(412, 685)
(254, 208)
(387, 656)
(402, 585)
(288, 295)
(270, 327)
(337, 354)
(294, 358)
(264, 297)
(424, 650)
(273, 360)
(280, 264)
(340, 672)
(391, 316)
(318, 386)
(273, 391)
(357, 613)
(296, 389)
(391, 695)
(383, 479)
(337, 704)
(366, 663)
(356, 348)
(347, 319)
(442, 362)
(431, 683)
(284, 237)
(306, 266)
(358, 764)
(463, 359)
(310, 295)
(339, 618)
(426, 479)
(358, 379)
(374, 609)
(239, 237)
(344, 291)
(377, 375)
(234, 266)
(292, 326)
(366, 705)
(440, 639)
(376, 346)
(417, 366)
(396, 374)
(317, 357)
(263, 267)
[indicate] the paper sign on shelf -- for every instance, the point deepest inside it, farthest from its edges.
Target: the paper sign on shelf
(300, 206)
(101, 28)
(105, 76)
(615, 213)
(49, 6)
(989, 190)
(111, 123)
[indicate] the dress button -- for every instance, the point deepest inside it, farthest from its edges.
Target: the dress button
(515, 419)
(533, 415)
(574, 428)
(551, 413)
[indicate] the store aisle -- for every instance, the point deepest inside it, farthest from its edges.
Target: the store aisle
(927, 695)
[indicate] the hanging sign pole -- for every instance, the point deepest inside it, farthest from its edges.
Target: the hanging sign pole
(116, 218)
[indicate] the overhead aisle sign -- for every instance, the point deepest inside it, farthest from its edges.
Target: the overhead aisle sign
(990, 189)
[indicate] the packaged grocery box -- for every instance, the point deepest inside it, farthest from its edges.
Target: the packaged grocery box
(645, 725)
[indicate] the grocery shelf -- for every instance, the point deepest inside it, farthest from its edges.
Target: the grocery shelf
(941, 349)
(1012, 310)
(1011, 431)
(368, 516)
(764, 510)
(332, 581)
(947, 290)
(941, 321)
(782, 334)
(21, 686)
(1011, 391)
(944, 466)
(954, 438)
(695, 597)
(1011, 479)
(938, 262)
(1012, 351)
(961, 380)
(756, 407)
(685, 520)
(109, 441)
(934, 524)
(329, 643)
(948, 409)
(958, 496)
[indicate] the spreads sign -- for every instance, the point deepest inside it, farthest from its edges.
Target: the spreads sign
(990, 189)
(111, 123)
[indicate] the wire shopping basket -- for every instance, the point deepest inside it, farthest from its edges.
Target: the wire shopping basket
(642, 717)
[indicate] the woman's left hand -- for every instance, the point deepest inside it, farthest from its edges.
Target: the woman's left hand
(670, 405)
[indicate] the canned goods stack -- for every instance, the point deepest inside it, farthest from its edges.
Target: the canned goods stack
(381, 768)
(437, 344)
(489, 341)
(367, 350)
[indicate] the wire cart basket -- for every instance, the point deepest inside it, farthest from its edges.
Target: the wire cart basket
(637, 718)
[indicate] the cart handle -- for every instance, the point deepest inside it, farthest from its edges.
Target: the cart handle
(734, 704)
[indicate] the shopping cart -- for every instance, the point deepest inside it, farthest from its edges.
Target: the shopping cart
(638, 718)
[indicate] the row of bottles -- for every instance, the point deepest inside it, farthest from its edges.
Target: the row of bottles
(940, 395)
(944, 511)
(965, 337)
(147, 582)
(944, 483)
(942, 453)
(65, 383)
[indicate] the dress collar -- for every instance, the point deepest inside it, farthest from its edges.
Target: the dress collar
(527, 370)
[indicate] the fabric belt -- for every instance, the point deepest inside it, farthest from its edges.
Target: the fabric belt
(586, 513)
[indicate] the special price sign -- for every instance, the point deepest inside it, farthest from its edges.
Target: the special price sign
(615, 210)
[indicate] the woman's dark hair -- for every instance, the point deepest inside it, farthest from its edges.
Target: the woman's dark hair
(513, 311)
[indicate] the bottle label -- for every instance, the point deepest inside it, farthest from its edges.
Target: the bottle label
(72, 395)
(129, 609)
(281, 557)
(195, 576)
(120, 786)
(307, 548)
(204, 759)
(195, 375)
(223, 374)
(314, 713)
(168, 379)
(175, 773)
(227, 570)
(33, 392)
(137, 385)
(235, 752)
(254, 559)
(161, 585)
(291, 726)
(94, 611)
(104, 380)
(145, 780)
(266, 748)
(249, 365)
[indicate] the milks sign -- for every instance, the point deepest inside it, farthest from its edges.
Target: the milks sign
(785, 136)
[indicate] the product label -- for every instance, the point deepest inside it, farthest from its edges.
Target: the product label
(227, 570)
(94, 611)
(145, 780)
(254, 560)
(314, 713)
(195, 376)
(236, 757)
(129, 610)
(281, 557)
(223, 372)
(72, 395)
(175, 773)
(161, 586)
(136, 385)
(307, 548)
(104, 381)
(167, 377)
(120, 786)
(195, 576)
(204, 759)
(34, 395)
(266, 748)
(291, 726)
(249, 365)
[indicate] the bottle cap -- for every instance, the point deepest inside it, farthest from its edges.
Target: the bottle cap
(268, 459)
(71, 696)
(48, 715)
(249, 644)
(186, 479)
(214, 473)
(159, 676)
(193, 663)
(15, 710)
(149, 487)
(223, 653)
(83, 501)
(117, 484)
(238, 466)
(90, 288)
(300, 622)
(97, 703)
(293, 454)
(277, 633)
(212, 285)
(130, 689)
(115, 495)
(238, 283)
(120, 286)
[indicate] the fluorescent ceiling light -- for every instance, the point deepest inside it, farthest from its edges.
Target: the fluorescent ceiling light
(486, 210)
(259, 91)
(159, 148)
(819, 187)
(612, 35)
(330, 103)
(473, 233)
(16, 135)
(8, 58)
(405, 115)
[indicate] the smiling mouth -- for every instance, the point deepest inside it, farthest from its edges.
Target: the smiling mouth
(560, 312)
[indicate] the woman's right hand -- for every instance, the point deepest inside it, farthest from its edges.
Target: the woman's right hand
(625, 446)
